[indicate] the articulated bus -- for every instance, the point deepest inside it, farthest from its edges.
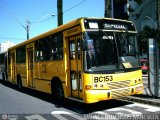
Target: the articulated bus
(87, 59)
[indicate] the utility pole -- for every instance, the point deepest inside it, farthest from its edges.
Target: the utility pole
(27, 28)
(60, 12)
(108, 7)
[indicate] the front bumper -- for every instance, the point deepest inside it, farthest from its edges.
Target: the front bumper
(92, 96)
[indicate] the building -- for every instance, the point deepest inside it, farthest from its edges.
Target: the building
(145, 14)
(4, 46)
(116, 9)
(146, 17)
(142, 13)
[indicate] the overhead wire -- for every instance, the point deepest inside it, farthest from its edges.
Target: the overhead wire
(12, 15)
(67, 9)
(74, 6)
(15, 18)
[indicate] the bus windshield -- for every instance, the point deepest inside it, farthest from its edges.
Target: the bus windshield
(110, 50)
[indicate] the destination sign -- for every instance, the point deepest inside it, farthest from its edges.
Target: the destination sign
(109, 24)
(115, 26)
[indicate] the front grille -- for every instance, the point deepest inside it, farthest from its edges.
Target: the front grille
(120, 93)
(119, 84)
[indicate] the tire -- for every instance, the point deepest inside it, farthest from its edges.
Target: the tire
(57, 91)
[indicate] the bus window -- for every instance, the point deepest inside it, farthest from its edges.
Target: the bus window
(101, 51)
(126, 44)
(109, 50)
(21, 54)
(127, 48)
(45, 49)
(57, 47)
(72, 48)
(79, 48)
(1, 59)
(36, 51)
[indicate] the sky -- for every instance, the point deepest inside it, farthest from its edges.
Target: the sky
(15, 13)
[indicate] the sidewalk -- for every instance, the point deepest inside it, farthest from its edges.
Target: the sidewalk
(145, 98)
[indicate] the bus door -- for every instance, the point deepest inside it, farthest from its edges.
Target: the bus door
(75, 66)
(30, 67)
(13, 66)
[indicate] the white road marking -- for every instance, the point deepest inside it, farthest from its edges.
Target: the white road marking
(58, 115)
(148, 108)
(124, 109)
(35, 117)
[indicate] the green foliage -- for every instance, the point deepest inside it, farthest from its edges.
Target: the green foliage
(138, 1)
(130, 9)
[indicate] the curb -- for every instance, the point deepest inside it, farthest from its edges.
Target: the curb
(151, 101)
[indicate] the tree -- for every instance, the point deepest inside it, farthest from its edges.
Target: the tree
(143, 36)
(138, 1)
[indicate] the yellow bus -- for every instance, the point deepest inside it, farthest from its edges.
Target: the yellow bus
(87, 59)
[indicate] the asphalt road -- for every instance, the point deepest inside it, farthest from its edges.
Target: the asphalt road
(31, 105)
(26, 102)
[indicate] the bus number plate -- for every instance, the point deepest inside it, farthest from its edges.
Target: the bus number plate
(103, 79)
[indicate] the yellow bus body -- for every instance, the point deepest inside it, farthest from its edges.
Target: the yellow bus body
(90, 88)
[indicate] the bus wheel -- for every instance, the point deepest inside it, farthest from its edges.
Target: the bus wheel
(19, 82)
(57, 91)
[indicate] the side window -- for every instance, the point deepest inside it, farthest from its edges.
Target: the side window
(75, 49)
(57, 47)
(2, 58)
(72, 49)
(18, 55)
(36, 51)
(49, 48)
(44, 49)
(79, 48)
(24, 54)
(9, 55)
(21, 54)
